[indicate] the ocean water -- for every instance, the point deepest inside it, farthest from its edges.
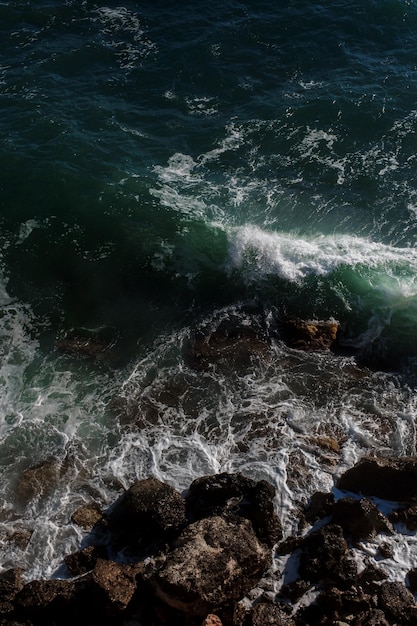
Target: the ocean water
(169, 167)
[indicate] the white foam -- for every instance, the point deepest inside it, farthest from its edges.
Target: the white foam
(122, 31)
(293, 258)
(26, 229)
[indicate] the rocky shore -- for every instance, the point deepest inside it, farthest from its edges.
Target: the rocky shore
(157, 557)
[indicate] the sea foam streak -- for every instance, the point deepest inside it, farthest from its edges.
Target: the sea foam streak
(293, 258)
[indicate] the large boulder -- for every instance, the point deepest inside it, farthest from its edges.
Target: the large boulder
(235, 495)
(386, 477)
(42, 601)
(149, 512)
(215, 562)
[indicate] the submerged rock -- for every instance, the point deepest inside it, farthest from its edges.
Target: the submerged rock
(309, 335)
(232, 344)
(41, 479)
(87, 516)
(215, 562)
(388, 478)
(98, 345)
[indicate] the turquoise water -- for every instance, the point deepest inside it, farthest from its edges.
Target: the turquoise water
(163, 167)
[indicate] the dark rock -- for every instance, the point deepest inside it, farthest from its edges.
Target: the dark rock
(374, 617)
(234, 495)
(87, 516)
(412, 579)
(398, 602)
(19, 536)
(268, 614)
(40, 479)
(233, 344)
(360, 519)
(83, 561)
(295, 590)
(407, 516)
(10, 584)
(325, 557)
(309, 335)
(117, 582)
(388, 478)
(319, 506)
(215, 562)
(340, 604)
(386, 550)
(39, 600)
(370, 577)
(91, 345)
(290, 544)
(149, 512)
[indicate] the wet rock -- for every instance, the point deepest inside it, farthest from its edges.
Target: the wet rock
(290, 544)
(39, 600)
(398, 602)
(325, 557)
(11, 583)
(117, 582)
(149, 512)
(83, 561)
(374, 617)
(309, 335)
(87, 516)
(215, 562)
(268, 614)
(386, 550)
(40, 479)
(370, 577)
(407, 516)
(386, 477)
(412, 579)
(320, 505)
(88, 344)
(20, 537)
(234, 495)
(336, 606)
(360, 519)
(295, 590)
(233, 343)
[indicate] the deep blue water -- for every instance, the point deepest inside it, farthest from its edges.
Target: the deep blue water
(166, 164)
